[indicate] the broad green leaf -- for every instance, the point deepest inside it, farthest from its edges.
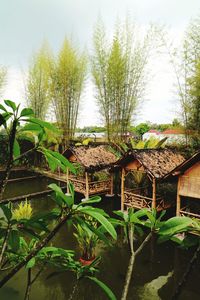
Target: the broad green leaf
(52, 160)
(101, 219)
(3, 108)
(100, 234)
(26, 112)
(29, 232)
(43, 124)
(31, 127)
(53, 164)
(104, 287)
(60, 195)
(7, 211)
(4, 117)
(31, 263)
(2, 120)
(16, 149)
(150, 217)
(175, 225)
(11, 104)
(14, 240)
(94, 199)
(140, 213)
(62, 159)
(134, 219)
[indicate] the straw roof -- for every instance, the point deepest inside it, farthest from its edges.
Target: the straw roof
(92, 157)
(185, 165)
(156, 162)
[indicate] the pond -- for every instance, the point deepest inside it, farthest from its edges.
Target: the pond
(156, 272)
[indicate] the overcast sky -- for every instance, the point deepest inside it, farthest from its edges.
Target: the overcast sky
(24, 24)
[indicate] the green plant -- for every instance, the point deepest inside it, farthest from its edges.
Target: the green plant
(23, 211)
(18, 225)
(87, 241)
(11, 118)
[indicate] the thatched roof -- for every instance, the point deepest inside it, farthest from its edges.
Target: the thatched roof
(185, 165)
(92, 157)
(156, 162)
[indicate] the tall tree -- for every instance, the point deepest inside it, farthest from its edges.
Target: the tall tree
(68, 74)
(37, 87)
(119, 70)
(3, 73)
(185, 61)
(194, 104)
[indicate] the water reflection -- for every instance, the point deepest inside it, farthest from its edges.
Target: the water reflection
(156, 271)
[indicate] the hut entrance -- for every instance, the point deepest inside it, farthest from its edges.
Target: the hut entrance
(142, 172)
(94, 173)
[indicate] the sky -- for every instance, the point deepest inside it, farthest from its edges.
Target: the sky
(24, 24)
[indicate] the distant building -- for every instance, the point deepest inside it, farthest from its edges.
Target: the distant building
(92, 135)
(173, 135)
(151, 134)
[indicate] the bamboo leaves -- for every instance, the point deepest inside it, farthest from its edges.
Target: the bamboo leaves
(119, 72)
(68, 73)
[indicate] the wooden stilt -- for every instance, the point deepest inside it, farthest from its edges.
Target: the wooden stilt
(111, 183)
(122, 188)
(154, 194)
(86, 186)
(178, 199)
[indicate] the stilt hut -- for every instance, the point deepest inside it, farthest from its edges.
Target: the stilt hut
(188, 187)
(147, 167)
(93, 165)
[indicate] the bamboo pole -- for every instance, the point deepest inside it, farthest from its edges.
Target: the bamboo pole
(122, 189)
(154, 194)
(86, 186)
(178, 198)
(111, 183)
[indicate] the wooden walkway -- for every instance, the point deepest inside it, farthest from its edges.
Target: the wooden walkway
(56, 176)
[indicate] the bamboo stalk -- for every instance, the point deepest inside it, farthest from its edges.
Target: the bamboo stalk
(154, 193)
(86, 186)
(178, 198)
(122, 188)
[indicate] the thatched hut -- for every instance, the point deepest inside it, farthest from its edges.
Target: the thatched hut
(147, 167)
(188, 187)
(93, 164)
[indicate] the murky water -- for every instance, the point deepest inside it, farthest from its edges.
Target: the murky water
(156, 272)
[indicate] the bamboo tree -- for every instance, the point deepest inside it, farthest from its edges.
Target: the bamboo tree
(119, 71)
(185, 63)
(3, 73)
(68, 73)
(37, 87)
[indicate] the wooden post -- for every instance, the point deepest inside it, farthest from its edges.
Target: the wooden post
(67, 180)
(86, 186)
(122, 189)
(153, 194)
(111, 183)
(178, 199)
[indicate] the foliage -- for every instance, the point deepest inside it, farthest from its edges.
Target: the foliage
(194, 92)
(68, 72)
(37, 87)
(23, 211)
(141, 128)
(185, 63)
(119, 72)
(87, 241)
(3, 73)
(91, 129)
(18, 250)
